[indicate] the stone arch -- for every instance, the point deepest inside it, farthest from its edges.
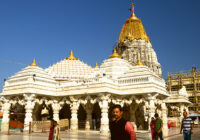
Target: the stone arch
(37, 111)
(17, 112)
(81, 117)
(140, 119)
(96, 117)
(65, 112)
(17, 116)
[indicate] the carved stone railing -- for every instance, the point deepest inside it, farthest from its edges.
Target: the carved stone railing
(133, 80)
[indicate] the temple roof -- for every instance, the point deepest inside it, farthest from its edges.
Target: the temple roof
(133, 29)
(70, 67)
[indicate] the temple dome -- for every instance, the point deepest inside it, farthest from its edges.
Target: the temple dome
(70, 67)
(115, 66)
(133, 29)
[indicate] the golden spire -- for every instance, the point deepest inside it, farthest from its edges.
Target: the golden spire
(34, 63)
(139, 63)
(115, 54)
(133, 29)
(71, 57)
(96, 66)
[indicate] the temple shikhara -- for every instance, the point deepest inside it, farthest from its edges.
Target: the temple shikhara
(72, 90)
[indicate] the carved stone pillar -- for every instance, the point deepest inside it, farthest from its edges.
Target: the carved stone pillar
(6, 114)
(151, 110)
(88, 107)
(74, 109)
(164, 118)
(29, 106)
(103, 103)
(56, 108)
(181, 109)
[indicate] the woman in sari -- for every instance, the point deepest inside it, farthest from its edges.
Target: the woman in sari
(152, 126)
(51, 130)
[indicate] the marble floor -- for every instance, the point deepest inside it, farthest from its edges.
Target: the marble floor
(91, 135)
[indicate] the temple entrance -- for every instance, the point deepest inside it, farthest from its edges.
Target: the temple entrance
(96, 117)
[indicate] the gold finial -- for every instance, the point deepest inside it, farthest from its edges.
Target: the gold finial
(139, 63)
(96, 66)
(71, 57)
(115, 54)
(133, 16)
(34, 63)
(133, 6)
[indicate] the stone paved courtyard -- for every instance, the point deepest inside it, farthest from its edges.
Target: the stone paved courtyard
(91, 135)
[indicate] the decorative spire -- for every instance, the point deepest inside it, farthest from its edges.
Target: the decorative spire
(133, 16)
(139, 63)
(115, 54)
(71, 57)
(34, 63)
(133, 6)
(133, 28)
(96, 66)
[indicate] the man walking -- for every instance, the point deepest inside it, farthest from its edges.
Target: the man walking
(187, 126)
(120, 128)
(158, 127)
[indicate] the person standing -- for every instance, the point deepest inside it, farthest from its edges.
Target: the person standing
(152, 126)
(158, 127)
(120, 128)
(51, 130)
(187, 127)
(56, 132)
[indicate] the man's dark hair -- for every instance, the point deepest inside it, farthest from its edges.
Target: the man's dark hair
(156, 115)
(184, 112)
(117, 106)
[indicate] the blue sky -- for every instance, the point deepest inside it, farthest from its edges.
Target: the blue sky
(48, 29)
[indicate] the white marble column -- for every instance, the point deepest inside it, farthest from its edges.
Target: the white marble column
(29, 106)
(56, 108)
(74, 110)
(164, 118)
(151, 111)
(103, 103)
(181, 109)
(6, 113)
(88, 107)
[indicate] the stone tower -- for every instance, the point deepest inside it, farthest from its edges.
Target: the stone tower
(134, 45)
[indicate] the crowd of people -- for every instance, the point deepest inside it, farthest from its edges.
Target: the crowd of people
(156, 126)
(121, 129)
